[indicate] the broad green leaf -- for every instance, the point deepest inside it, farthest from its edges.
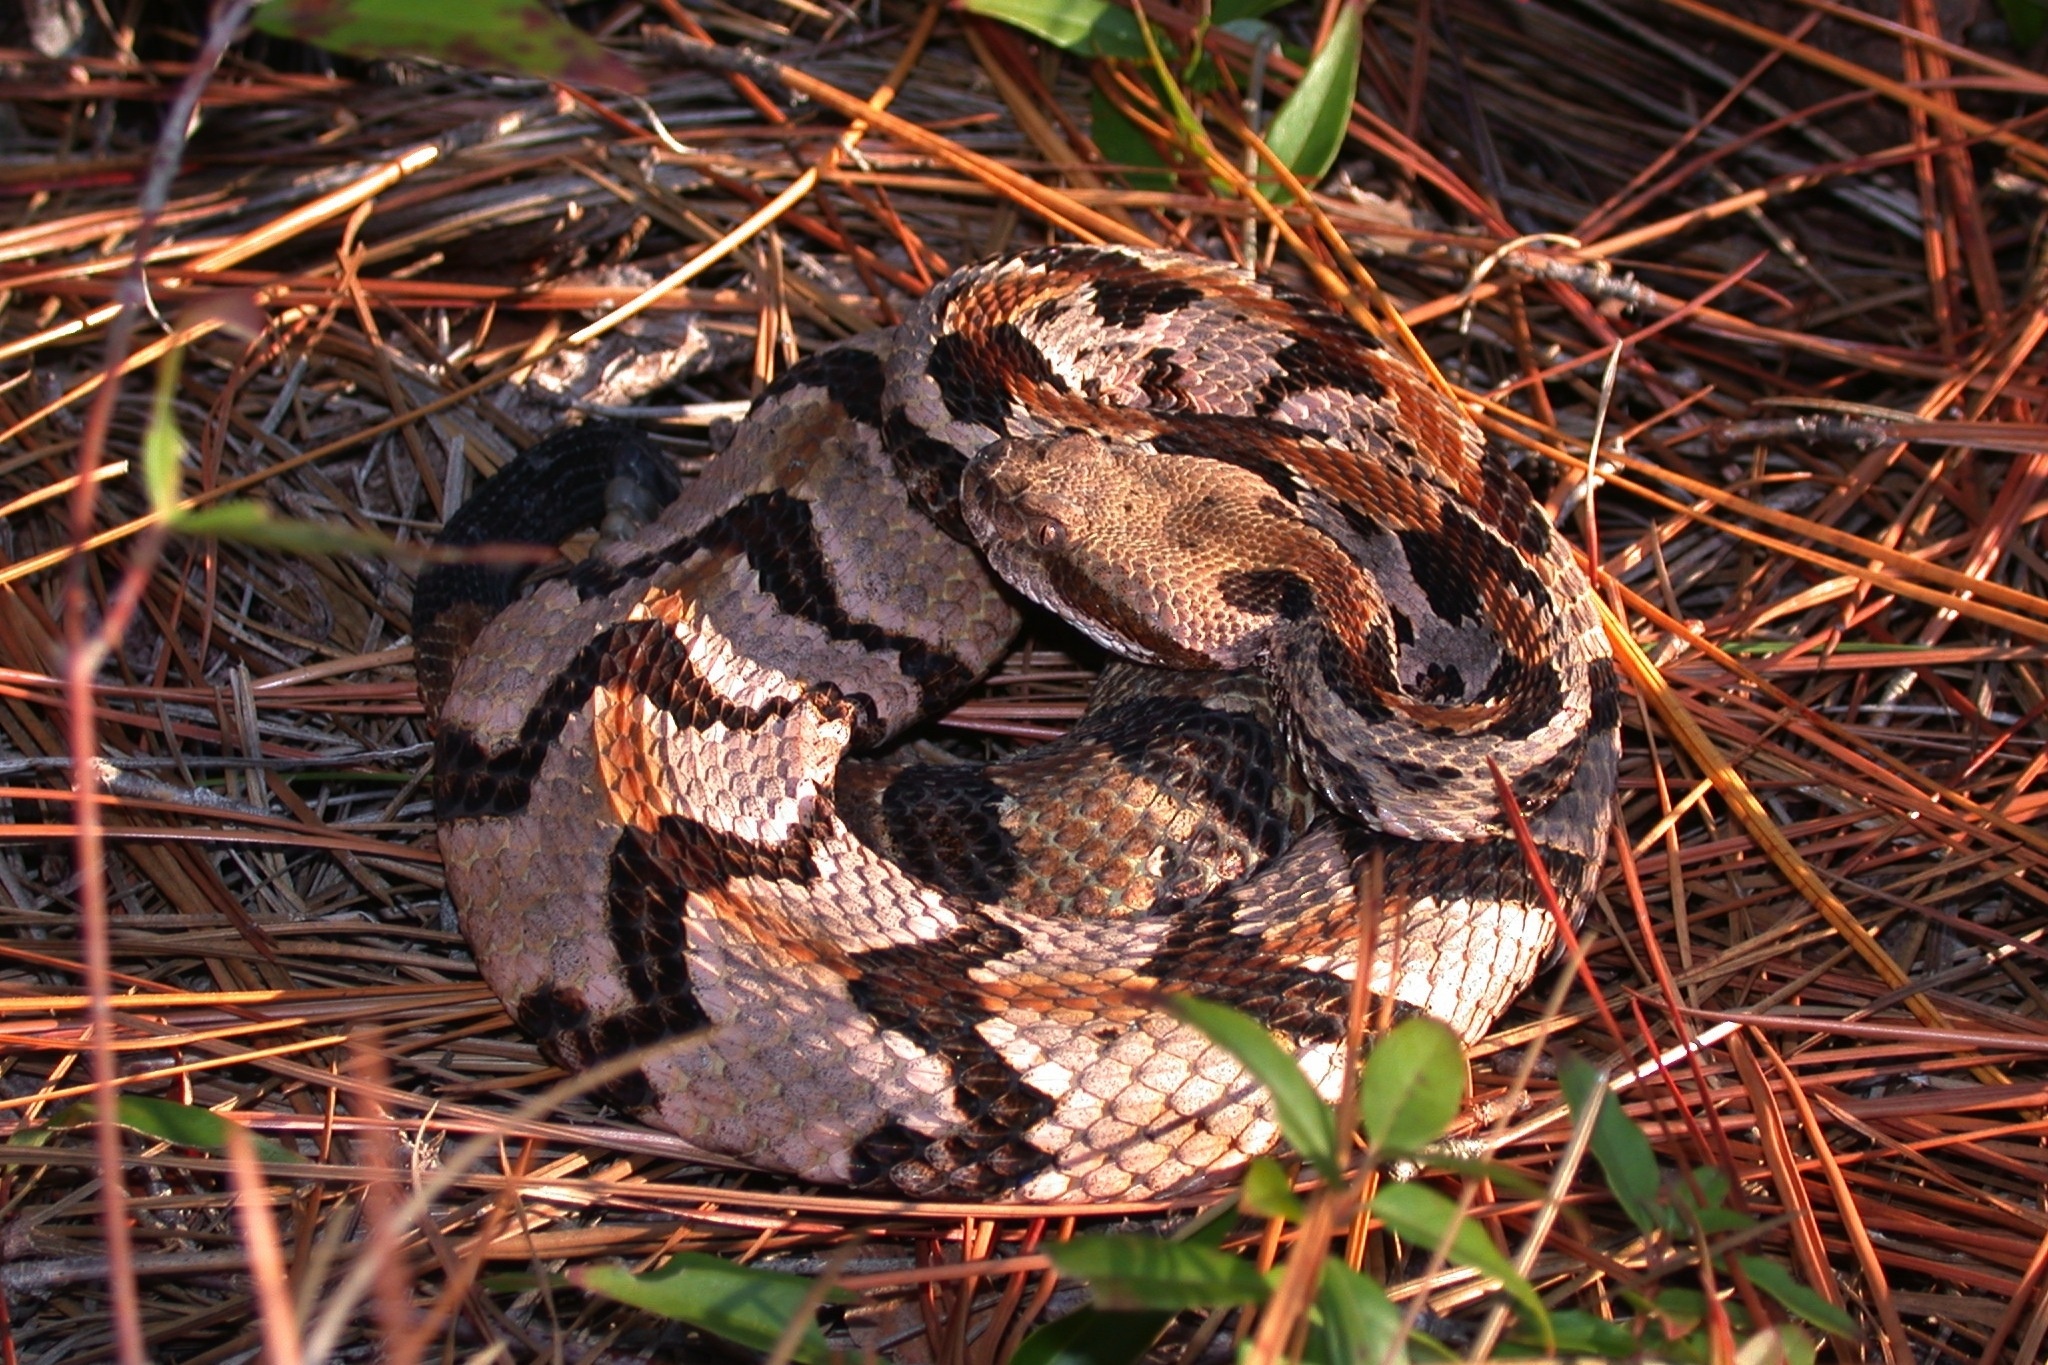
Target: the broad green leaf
(737, 1302)
(1267, 1192)
(1710, 1210)
(1678, 1311)
(1625, 1155)
(1506, 1177)
(1413, 1085)
(1305, 1120)
(1121, 144)
(1308, 129)
(1785, 1345)
(1353, 1321)
(1777, 1281)
(1093, 1336)
(1424, 1217)
(1580, 1333)
(1253, 31)
(182, 1125)
(1209, 1228)
(252, 523)
(1101, 1336)
(2028, 20)
(496, 35)
(1144, 1272)
(1226, 12)
(163, 447)
(1086, 28)
(520, 1282)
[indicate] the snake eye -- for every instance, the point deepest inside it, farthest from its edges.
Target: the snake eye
(1047, 532)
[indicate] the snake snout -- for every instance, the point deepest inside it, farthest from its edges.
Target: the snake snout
(1009, 495)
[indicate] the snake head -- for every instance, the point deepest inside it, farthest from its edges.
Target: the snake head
(1153, 555)
(1019, 493)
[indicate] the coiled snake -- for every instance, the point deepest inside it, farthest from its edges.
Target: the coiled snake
(669, 817)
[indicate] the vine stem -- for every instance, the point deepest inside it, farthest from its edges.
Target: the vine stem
(86, 646)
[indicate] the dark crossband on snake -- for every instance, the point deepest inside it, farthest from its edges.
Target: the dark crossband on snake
(674, 824)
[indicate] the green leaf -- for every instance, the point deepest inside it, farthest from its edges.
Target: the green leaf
(1679, 1312)
(252, 523)
(1413, 1086)
(182, 1125)
(738, 1302)
(1267, 1192)
(1353, 1320)
(1093, 1336)
(1580, 1333)
(1186, 122)
(1784, 1345)
(520, 1282)
(1225, 12)
(1144, 1272)
(1120, 143)
(1513, 1181)
(1710, 1210)
(163, 446)
(1625, 1155)
(2028, 20)
(1777, 1281)
(494, 35)
(1086, 28)
(1308, 129)
(1425, 1217)
(1305, 1120)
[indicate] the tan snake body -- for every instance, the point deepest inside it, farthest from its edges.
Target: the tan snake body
(662, 832)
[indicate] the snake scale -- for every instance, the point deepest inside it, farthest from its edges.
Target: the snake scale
(674, 825)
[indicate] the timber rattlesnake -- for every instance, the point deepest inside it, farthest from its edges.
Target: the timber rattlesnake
(944, 978)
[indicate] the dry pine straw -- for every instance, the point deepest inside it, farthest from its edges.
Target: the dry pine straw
(1819, 520)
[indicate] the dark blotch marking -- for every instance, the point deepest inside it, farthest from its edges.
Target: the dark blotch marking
(930, 470)
(646, 657)
(1162, 382)
(975, 376)
(558, 1018)
(780, 541)
(1535, 690)
(1603, 679)
(551, 1009)
(649, 878)
(1440, 685)
(775, 533)
(1358, 681)
(546, 494)
(1128, 302)
(942, 824)
(922, 991)
(646, 891)
(1507, 506)
(1229, 762)
(468, 781)
(1318, 361)
(963, 385)
(1241, 441)
(1452, 591)
(1269, 592)
(696, 857)
(1537, 787)
(853, 378)
(1200, 955)
(1361, 522)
